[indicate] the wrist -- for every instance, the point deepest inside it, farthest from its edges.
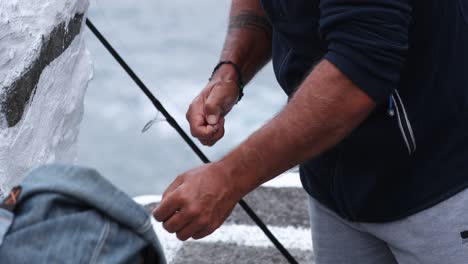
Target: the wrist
(225, 73)
(231, 176)
(228, 74)
(239, 172)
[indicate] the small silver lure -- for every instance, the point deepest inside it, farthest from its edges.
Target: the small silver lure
(151, 123)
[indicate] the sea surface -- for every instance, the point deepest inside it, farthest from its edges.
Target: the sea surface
(173, 46)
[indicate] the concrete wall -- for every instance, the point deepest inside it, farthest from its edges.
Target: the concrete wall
(44, 72)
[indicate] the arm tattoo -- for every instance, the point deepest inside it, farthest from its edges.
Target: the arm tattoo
(252, 21)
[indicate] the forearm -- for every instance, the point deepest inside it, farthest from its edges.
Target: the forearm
(248, 41)
(326, 108)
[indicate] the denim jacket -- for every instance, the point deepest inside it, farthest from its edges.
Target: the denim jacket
(66, 214)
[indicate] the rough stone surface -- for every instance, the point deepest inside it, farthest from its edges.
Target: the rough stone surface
(211, 253)
(45, 69)
(22, 90)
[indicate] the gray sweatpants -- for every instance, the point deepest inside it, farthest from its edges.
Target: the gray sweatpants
(433, 236)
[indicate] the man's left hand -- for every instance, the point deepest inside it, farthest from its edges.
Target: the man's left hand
(197, 202)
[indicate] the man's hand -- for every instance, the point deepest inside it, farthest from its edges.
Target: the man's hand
(207, 111)
(197, 202)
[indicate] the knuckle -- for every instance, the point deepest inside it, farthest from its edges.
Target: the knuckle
(177, 199)
(183, 201)
(192, 108)
(199, 235)
(189, 112)
(181, 236)
(210, 231)
(169, 228)
(157, 217)
(190, 212)
(180, 178)
(194, 132)
(205, 143)
(205, 222)
(196, 210)
(157, 214)
(165, 194)
(216, 225)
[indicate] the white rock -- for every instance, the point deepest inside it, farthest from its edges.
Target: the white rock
(49, 126)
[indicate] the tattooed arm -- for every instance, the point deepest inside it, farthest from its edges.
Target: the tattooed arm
(248, 44)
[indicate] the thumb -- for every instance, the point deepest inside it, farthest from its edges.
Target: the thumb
(213, 107)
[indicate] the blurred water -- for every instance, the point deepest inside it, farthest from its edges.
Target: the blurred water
(173, 45)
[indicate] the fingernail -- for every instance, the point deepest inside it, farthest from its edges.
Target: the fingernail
(215, 129)
(212, 119)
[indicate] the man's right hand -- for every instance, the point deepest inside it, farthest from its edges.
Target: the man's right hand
(207, 111)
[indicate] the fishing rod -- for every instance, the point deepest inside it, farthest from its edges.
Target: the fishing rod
(185, 137)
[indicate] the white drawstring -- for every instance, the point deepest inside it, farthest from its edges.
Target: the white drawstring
(391, 112)
(408, 124)
(400, 125)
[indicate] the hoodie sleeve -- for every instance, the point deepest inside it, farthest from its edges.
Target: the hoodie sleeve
(368, 41)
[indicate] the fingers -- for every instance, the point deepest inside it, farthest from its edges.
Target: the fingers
(191, 229)
(216, 136)
(168, 207)
(200, 129)
(206, 113)
(173, 186)
(197, 202)
(178, 221)
(203, 233)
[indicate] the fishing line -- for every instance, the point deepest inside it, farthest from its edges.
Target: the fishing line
(185, 137)
(124, 49)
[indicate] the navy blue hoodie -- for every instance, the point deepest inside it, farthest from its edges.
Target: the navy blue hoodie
(411, 58)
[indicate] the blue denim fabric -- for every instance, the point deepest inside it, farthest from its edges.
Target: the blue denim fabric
(67, 214)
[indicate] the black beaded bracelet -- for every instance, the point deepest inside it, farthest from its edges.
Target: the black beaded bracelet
(240, 82)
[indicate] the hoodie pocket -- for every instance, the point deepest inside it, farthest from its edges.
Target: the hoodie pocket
(370, 158)
(385, 140)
